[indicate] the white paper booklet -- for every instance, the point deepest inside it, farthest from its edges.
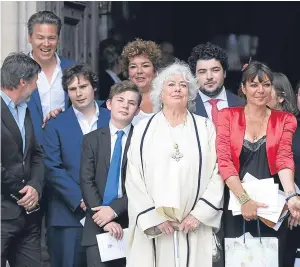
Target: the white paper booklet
(111, 248)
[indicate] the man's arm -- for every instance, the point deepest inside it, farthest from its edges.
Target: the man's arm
(37, 168)
(10, 183)
(88, 187)
(56, 175)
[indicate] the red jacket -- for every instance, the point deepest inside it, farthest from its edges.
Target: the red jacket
(230, 137)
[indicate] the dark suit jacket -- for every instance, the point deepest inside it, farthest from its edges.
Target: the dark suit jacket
(35, 106)
(18, 169)
(105, 82)
(95, 162)
(296, 151)
(233, 101)
(62, 146)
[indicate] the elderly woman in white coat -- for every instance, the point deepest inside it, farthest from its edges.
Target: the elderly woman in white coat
(172, 180)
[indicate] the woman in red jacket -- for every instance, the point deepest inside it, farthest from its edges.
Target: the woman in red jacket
(256, 140)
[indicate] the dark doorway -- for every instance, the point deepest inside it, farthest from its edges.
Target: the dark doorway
(186, 24)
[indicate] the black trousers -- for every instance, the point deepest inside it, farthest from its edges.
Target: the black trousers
(93, 259)
(21, 241)
(293, 243)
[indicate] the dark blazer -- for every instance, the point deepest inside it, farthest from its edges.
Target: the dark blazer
(18, 169)
(230, 136)
(95, 162)
(35, 106)
(233, 101)
(296, 152)
(105, 82)
(62, 147)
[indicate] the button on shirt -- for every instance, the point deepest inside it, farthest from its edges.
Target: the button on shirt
(52, 95)
(113, 138)
(18, 113)
(85, 126)
(223, 103)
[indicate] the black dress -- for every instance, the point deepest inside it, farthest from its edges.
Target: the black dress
(253, 159)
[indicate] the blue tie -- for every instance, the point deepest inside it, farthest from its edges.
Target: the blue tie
(112, 182)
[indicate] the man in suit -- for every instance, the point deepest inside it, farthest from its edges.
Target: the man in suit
(109, 67)
(22, 166)
(62, 146)
(103, 172)
(49, 99)
(209, 63)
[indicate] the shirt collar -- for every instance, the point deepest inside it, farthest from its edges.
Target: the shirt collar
(222, 96)
(113, 129)
(8, 101)
(80, 115)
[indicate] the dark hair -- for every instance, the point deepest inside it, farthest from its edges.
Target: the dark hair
(256, 69)
(122, 87)
(44, 17)
(109, 53)
(17, 66)
(285, 90)
(297, 87)
(140, 47)
(76, 71)
(206, 52)
(253, 70)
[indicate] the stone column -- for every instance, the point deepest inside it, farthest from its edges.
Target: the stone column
(14, 17)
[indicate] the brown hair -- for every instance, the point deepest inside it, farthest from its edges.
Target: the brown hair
(122, 87)
(140, 47)
(253, 70)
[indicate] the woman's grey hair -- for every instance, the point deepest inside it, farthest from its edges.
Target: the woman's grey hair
(178, 67)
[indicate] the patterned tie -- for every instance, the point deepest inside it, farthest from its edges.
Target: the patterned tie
(214, 110)
(112, 182)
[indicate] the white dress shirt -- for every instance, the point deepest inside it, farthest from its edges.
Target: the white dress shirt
(223, 103)
(52, 95)
(113, 138)
(85, 126)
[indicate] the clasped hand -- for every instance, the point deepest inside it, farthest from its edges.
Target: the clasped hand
(294, 207)
(103, 215)
(189, 224)
(30, 199)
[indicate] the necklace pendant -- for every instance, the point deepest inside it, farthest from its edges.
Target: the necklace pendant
(177, 155)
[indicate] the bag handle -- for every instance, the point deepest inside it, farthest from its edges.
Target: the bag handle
(258, 230)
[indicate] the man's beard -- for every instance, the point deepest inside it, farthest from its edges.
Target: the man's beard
(211, 94)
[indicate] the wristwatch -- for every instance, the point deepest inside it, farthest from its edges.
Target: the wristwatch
(243, 198)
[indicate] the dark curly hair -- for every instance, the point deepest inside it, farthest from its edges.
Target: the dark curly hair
(140, 47)
(206, 52)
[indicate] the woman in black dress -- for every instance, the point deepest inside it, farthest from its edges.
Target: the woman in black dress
(257, 140)
(283, 98)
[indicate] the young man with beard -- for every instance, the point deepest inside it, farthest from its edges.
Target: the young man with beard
(209, 63)
(103, 172)
(62, 145)
(49, 98)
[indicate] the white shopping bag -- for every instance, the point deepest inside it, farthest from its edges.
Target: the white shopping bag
(249, 251)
